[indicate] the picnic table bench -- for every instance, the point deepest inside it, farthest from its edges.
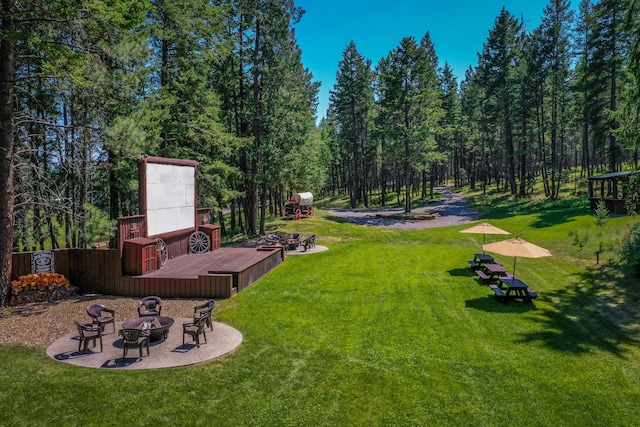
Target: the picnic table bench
(501, 296)
(483, 276)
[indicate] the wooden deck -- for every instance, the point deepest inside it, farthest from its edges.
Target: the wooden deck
(244, 265)
(225, 260)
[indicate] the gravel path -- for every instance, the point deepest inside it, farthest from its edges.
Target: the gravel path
(453, 210)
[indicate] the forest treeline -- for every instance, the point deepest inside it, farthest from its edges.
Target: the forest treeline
(96, 84)
(87, 87)
(540, 102)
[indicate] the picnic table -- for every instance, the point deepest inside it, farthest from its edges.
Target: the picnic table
(516, 289)
(483, 258)
(492, 272)
(480, 259)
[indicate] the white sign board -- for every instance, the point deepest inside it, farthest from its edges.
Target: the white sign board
(170, 193)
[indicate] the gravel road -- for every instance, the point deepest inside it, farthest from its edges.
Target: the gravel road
(453, 210)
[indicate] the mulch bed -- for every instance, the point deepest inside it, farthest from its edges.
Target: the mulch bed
(39, 324)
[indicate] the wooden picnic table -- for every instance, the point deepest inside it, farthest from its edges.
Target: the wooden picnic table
(496, 269)
(483, 258)
(517, 289)
(491, 272)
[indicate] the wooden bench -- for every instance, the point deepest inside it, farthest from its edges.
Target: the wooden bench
(309, 242)
(483, 276)
(499, 294)
(531, 293)
(473, 264)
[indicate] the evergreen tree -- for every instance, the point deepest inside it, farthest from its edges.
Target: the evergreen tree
(557, 22)
(450, 131)
(608, 44)
(497, 67)
(409, 94)
(352, 98)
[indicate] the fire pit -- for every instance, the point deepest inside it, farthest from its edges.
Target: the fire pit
(157, 325)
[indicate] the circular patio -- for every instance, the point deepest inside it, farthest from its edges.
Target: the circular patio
(163, 353)
(312, 250)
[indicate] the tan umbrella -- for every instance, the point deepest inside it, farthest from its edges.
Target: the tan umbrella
(516, 247)
(484, 229)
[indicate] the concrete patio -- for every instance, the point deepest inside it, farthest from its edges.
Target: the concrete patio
(162, 353)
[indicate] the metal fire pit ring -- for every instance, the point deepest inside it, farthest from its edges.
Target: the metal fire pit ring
(155, 333)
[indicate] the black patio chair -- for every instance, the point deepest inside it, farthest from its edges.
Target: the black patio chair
(88, 332)
(309, 242)
(204, 310)
(150, 306)
(194, 330)
(134, 338)
(101, 316)
(272, 240)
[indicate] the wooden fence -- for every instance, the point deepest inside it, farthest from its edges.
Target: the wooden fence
(100, 271)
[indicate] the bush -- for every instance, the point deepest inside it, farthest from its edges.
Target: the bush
(630, 251)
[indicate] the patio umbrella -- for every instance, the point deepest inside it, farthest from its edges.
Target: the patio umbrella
(484, 229)
(516, 247)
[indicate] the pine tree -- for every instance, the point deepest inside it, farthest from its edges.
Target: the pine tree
(608, 44)
(409, 94)
(497, 66)
(7, 132)
(556, 24)
(352, 99)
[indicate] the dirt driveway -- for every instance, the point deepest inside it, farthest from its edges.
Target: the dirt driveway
(453, 210)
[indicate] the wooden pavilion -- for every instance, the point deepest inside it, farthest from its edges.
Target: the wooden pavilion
(611, 188)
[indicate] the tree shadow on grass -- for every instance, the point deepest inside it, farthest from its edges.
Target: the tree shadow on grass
(550, 212)
(364, 220)
(338, 219)
(461, 272)
(599, 312)
(549, 218)
(491, 305)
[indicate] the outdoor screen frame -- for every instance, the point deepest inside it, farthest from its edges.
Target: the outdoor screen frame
(167, 195)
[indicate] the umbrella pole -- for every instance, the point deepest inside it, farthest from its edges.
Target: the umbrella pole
(484, 242)
(514, 269)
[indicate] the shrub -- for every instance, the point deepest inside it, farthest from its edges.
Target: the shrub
(630, 251)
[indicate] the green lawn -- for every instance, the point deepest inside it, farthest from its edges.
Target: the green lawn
(388, 327)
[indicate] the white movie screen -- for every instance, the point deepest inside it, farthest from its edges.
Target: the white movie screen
(170, 198)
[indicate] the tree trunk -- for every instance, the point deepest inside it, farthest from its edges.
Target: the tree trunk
(252, 185)
(7, 70)
(263, 207)
(613, 144)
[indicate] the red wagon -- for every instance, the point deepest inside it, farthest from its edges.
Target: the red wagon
(299, 206)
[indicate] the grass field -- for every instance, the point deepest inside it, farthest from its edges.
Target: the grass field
(388, 327)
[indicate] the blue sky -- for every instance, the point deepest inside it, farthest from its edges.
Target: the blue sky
(458, 30)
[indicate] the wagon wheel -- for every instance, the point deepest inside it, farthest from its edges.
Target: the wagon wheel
(162, 248)
(298, 214)
(309, 212)
(284, 213)
(199, 242)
